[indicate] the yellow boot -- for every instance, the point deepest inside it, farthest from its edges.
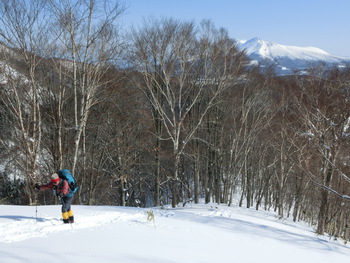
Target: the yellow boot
(65, 217)
(71, 217)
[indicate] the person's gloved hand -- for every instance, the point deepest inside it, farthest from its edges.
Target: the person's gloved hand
(37, 186)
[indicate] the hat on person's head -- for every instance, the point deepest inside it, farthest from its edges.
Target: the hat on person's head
(54, 178)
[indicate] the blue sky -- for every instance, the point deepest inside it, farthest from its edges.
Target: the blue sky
(320, 23)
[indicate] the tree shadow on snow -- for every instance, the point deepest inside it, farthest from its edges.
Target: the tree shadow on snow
(21, 218)
(277, 232)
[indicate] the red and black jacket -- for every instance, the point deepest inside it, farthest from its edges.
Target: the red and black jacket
(60, 189)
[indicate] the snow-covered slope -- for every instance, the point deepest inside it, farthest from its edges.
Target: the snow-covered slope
(287, 58)
(197, 233)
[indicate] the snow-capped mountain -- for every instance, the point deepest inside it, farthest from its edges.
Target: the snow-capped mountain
(288, 59)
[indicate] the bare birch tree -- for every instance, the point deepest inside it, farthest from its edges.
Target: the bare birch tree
(88, 43)
(23, 32)
(326, 117)
(89, 38)
(181, 71)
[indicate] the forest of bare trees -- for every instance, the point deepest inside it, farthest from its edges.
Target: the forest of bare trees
(165, 114)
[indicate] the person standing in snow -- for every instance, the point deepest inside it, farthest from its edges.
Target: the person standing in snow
(61, 189)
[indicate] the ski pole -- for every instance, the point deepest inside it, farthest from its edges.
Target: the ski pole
(36, 206)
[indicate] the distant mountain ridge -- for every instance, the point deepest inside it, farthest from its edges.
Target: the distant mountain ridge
(288, 59)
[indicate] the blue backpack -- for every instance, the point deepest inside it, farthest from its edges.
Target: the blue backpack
(65, 174)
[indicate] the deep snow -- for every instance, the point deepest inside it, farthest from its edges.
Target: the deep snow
(196, 233)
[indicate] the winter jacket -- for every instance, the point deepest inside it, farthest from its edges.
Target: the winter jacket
(62, 189)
